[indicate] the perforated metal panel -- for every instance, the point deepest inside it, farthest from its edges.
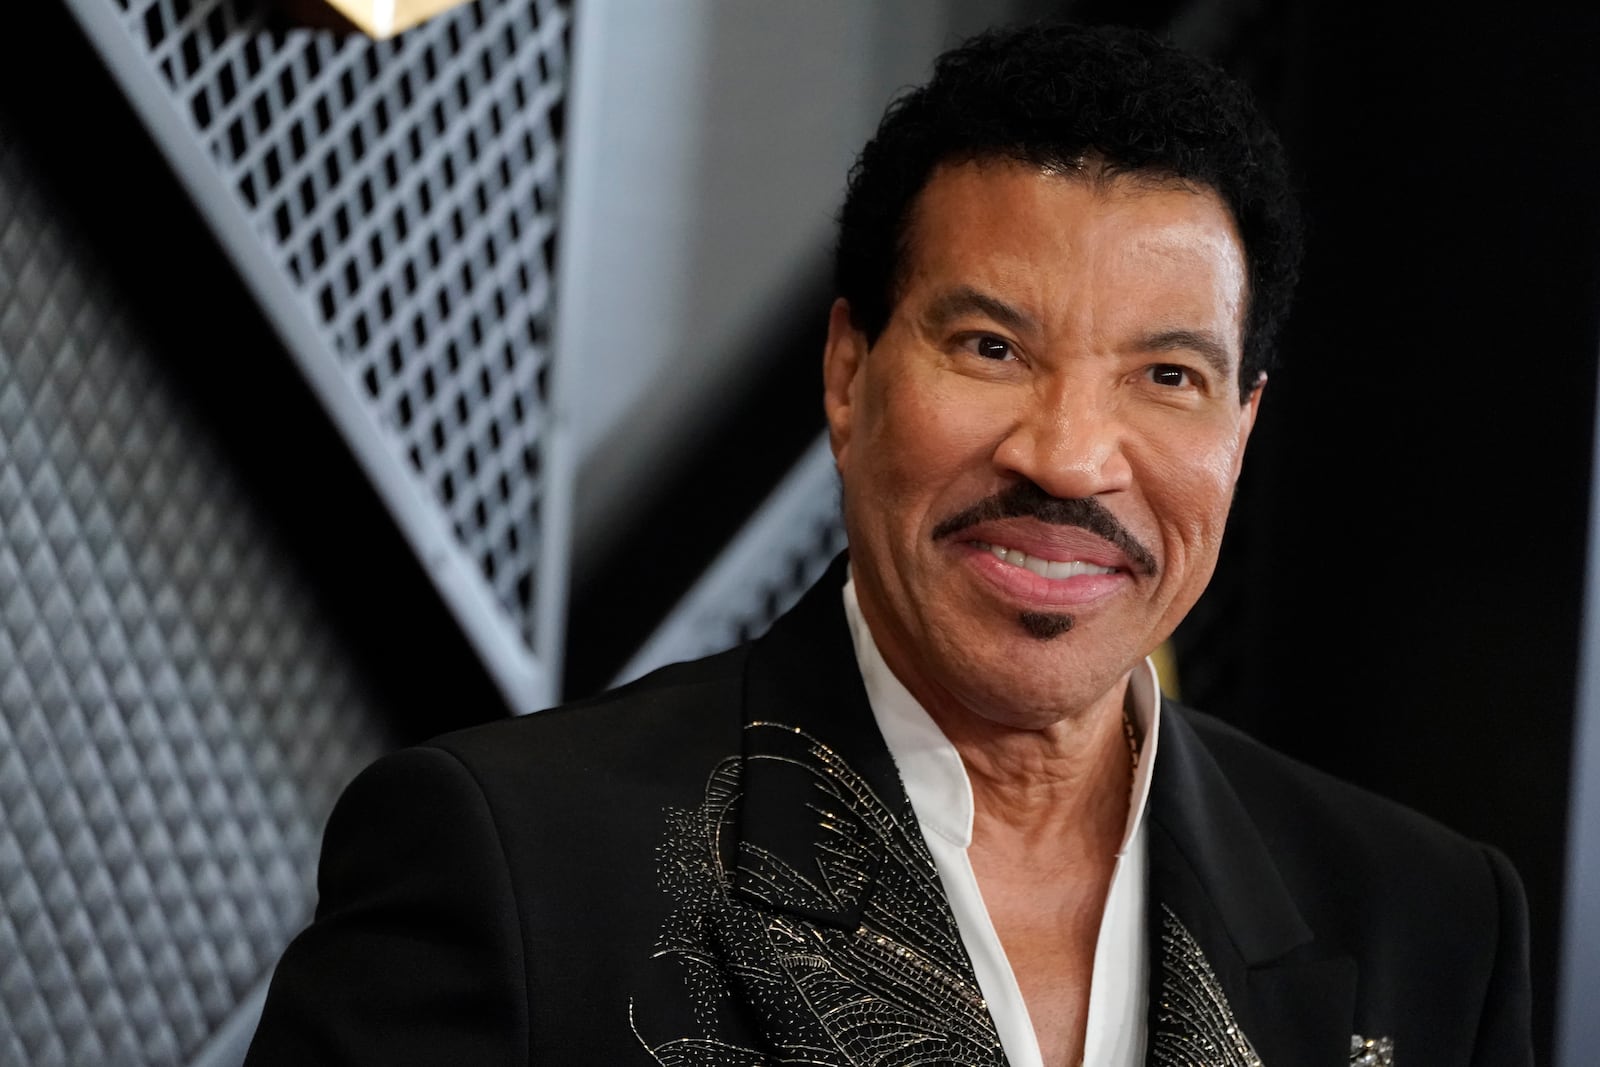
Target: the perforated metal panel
(784, 548)
(175, 721)
(392, 204)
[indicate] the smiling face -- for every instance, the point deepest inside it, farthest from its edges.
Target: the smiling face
(1039, 451)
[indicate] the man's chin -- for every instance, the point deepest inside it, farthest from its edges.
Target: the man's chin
(1026, 693)
(1044, 625)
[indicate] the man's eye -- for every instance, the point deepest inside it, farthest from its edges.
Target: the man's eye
(989, 347)
(1170, 374)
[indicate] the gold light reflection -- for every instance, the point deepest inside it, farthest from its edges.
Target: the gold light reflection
(385, 18)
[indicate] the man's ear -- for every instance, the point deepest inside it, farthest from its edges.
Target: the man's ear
(1249, 410)
(842, 357)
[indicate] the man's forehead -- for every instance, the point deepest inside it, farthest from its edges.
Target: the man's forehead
(1107, 182)
(980, 240)
(1012, 219)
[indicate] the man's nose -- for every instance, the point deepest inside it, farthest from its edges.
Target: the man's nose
(1069, 443)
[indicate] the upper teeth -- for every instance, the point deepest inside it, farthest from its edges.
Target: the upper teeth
(1045, 568)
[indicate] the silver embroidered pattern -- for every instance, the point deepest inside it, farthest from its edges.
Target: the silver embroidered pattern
(1371, 1051)
(897, 991)
(1195, 1026)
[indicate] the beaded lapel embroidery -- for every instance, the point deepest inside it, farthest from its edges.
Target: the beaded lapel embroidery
(895, 990)
(1195, 1026)
(1371, 1051)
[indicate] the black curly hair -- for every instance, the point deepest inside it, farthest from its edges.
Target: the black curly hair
(1060, 95)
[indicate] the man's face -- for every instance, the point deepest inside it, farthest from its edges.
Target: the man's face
(1039, 452)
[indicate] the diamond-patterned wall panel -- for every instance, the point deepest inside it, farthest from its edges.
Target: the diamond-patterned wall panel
(175, 721)
(404, 192)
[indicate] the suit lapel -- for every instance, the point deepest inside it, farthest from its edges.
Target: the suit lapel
(843, 938)
(1229, 945)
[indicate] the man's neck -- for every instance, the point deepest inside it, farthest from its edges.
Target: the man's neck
(1050, 810)
(1060, 787)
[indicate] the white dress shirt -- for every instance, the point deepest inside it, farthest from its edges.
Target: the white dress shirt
(941, 795)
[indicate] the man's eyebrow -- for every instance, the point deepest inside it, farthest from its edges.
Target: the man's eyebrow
(965, 300)
(1201, 342)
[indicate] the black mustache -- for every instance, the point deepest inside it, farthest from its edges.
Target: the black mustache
(1026, 500)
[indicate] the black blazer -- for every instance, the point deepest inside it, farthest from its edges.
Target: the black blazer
(718, 866)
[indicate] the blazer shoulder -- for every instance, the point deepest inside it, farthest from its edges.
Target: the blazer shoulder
(1320, 827)
(1417, 905)
(691, 710)
(1265, 777)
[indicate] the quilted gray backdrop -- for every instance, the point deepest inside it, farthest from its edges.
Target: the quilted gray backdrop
(175, 717)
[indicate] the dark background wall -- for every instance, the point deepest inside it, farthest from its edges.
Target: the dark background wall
(1402, 599)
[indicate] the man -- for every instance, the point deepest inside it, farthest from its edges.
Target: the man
(940, 814)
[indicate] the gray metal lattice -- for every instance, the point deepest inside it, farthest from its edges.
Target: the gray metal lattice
(393, 205)
(780, 551)
(175, 721)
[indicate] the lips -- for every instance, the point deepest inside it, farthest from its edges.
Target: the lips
(1046, 569)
